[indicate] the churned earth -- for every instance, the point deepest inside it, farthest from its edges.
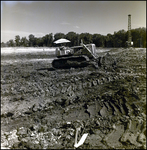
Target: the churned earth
(43, 107)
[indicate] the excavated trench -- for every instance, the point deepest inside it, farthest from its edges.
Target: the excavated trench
(42, 107)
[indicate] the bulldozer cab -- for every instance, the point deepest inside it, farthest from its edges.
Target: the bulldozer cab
(63, 51)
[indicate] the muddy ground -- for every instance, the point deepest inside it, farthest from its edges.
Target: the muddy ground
(42, 107)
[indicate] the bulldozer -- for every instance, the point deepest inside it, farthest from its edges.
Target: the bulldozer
(74, 57)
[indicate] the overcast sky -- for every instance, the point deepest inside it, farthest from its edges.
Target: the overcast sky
(43, 17)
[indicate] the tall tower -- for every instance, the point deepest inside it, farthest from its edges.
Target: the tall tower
(129, 30)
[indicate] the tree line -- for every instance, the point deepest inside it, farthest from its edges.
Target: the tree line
(118, 39)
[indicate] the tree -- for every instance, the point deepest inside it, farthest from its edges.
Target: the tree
(73, 37)
(24, 42)
(119, 38)
(38, 41)
(31, 40)
(48, 40)
(59, 36)
(144, 37)
(86, 37)
(11, 43)
(3, 44)
(95, 39)
(17, 40)
(98, 40)
(109, 40)
(139, 37)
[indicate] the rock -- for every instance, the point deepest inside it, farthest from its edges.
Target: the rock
(74, 87)
(103, 111)
(130, 137)
(63, 89)
(6, 134)
(16, 114)
(98, 81)
(69, 88)
(112, 138)
(91, 109)
(36, 107)
(71, 132)
(56, 132)
(78, 124)
(98, 123)
(94, 137)
(4, 142)
(103, 80)
(26, 139)
(3, 147)
(94, 82)
(29, 112)
(22, 132)
(98, 106)
(114, 127)
(141, 138)
(71, 94)
(89, 84)
(48, 106)
(12, 138)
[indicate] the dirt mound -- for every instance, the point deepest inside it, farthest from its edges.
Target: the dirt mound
(42, 108)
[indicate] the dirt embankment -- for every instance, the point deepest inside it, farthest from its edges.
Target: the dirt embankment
(41, 108)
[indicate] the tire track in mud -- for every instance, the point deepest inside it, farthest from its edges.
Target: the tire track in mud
(107, 105)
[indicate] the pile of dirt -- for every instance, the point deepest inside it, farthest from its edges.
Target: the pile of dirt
(42, 108)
